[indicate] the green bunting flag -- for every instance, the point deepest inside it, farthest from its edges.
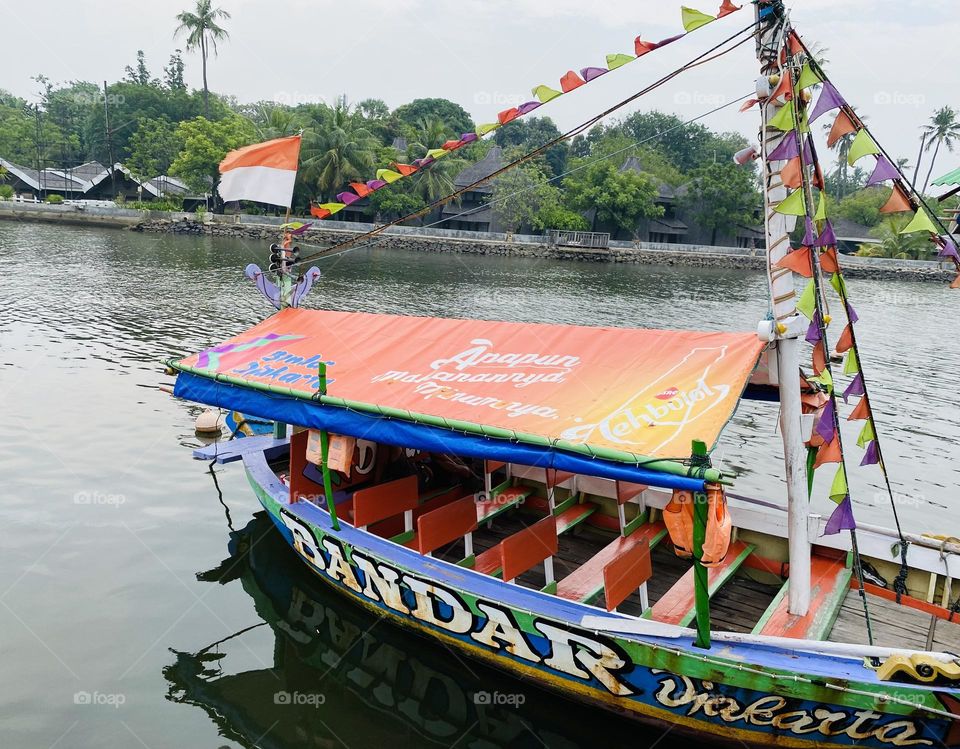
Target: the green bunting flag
(867, 435)
(783, 120)
(694, 19)
(824, 379)
(921, 222)
(839, 490)
(862, 145)
(618, 61)
(484, 129)
(807, 304)
(852, 365)
(808, 77)
(839, 285)
(545, 93)
(792, 205)
(821, 214)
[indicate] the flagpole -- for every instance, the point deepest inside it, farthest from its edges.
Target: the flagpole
(284, 277)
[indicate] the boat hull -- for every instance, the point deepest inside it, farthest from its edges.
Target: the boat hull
(720, 693)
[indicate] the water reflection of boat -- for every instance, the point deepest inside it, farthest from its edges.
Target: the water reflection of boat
(338, 673)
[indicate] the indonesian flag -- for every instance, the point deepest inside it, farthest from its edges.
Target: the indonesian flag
(263, 172)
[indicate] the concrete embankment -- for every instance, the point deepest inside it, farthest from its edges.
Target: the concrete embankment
(419, 239)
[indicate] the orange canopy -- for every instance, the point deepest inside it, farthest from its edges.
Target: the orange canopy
(647, 392)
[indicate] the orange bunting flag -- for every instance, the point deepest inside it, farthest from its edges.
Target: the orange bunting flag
(749, 103)
(861, 412)
(570, 81)
(818, 180)
(785, 88)
(360, 189)
(508, 115)
(796, 47)
(792, 173)
(452, 145)
(318, 212)
(405, 169)
(843, 125)
(727, 8)
(899, 201)
(819, 358)
(829, 453)
(845, 342)
(798, 261)
(828, 261)
(641, 47)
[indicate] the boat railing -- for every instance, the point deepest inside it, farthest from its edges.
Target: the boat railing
(586, 239)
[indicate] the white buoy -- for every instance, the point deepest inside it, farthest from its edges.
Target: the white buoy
(208, 422)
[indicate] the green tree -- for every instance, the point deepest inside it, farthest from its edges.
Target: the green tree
(720, 197)
(203, 31)
(139, 75)
(893, 244)
(203, 144)
(531, 133)
(153, 147)
(863, 206)
(942, 130)
(619, 198)
(4, 174)
(389, 205)
(173, 72)
(452, 115)
(337, 151)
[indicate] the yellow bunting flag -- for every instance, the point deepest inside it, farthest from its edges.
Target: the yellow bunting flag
(439, 153)
(332, 207)
(808, 77)
(867, 434)
(792, 205)
(862, 145)
(487, 128)
(921, 222)
(807, 304)
(618, 61)
(783, 120)
(839, 490)
(388, 175)
(694, 19)
(545, 93)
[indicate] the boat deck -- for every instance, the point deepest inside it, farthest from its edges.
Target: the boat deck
(892, 625)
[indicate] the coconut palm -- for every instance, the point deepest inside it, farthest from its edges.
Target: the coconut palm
(437, 180)
(893, 244)
(337, 149)
(203, 32)
(942, 130)
(842, 173)
(274, 121)
(4, 174)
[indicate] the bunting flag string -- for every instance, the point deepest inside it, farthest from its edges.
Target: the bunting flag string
(690, 18)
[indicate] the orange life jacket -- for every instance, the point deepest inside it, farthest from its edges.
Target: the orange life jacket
(678, 517)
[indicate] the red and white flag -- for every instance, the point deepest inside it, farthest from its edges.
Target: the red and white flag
(263, 172)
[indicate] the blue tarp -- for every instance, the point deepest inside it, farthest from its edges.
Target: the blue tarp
(407, 434)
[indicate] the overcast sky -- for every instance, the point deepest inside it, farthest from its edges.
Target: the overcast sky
(896, 61)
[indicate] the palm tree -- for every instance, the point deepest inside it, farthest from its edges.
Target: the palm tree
(437, 180)
(337, 149)
(203, 33)
(842, 148)
(4, 174)
(942, 130)
(274, 121)
(893, 244)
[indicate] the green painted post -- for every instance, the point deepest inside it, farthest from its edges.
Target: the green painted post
(325, 454)
(700, 582)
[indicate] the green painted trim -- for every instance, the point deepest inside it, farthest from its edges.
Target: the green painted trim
(774, 605)
(508, 484)
(576, 522)
(551, 588)
(468, 561)
(660, 465)
(402, 538)
(727, 573)
(501, 509)
(566, 504)
(829, 610)
(639, 520)
(654, 542)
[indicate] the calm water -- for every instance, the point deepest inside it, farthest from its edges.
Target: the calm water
(124, 585)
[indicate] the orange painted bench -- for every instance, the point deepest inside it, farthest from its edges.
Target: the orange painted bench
(447, 524)
(677, 605)
(627, 572)
(586, 582)
(527, 548)
(385, 501)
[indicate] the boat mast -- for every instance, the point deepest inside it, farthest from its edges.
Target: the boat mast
(787, 324)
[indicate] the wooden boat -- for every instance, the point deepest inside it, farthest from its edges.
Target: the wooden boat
(525, 494)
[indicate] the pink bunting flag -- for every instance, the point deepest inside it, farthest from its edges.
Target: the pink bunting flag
(829, 99)
(789, 148)
(882, 172)
(841, 519)
(590, 73)
(827, 237)
(872, 456)
(826, 425)
(526, 107)
(303, 229)
(854, 388)
(347, 198)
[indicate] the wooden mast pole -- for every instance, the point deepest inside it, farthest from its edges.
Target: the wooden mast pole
(773, 29)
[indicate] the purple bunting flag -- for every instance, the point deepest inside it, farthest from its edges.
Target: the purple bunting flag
(949, 248)
(826, 426)
(376, 184)
(789, 148)
(813, 332)
(590, 73)
(852, 315)
(854, 388)
(348, 197)
(807, 151)
(528, 106)
(470, 137)
(668, 40)
(827, 237)
(810, 235)
(829, 99)
(872, 456)
(841, 519)
(883, 171)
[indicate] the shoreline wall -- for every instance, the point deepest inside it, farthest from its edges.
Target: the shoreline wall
(417, 239)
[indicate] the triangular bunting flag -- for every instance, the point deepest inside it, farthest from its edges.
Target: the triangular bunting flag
(749, 104)
(862, 145)
(898, 201)
(921, 222)
(841, 519)
(798, 261)
(821, 214)
(872, 456)
(839, 285)
(861, 412)
(439, 153)
(727, 8)
(590, 73)
(784, 89)
(854, 388)
(843, 125)
(793, 205)
(376, 184)
(570, 81)
(783, 119)
(788, 148)
(828, 237)
(481, 131)
(813, 330)
(808, 77)
(819, 357)
(405, 169)
(838, 489)
(508, 115)
(809, 232)
(846, 340)
(614, 62)
(829, 99)
(866, 434)
(360, 189)
(641, 47)
(824, 379)
(792, 173)
(827, 423)
(348, 198)
(388, 175)
(318, 212)
(883, 171)
(545, 93)
(829, 452)
(828, 261)
(852, 364)
(948, 248)
(332, 207)
(694, 19)
(808, 301)
(526, 108)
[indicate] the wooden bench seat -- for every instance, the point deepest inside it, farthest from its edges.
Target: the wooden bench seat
(586, 582)
(500, 502)
(677, 605)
